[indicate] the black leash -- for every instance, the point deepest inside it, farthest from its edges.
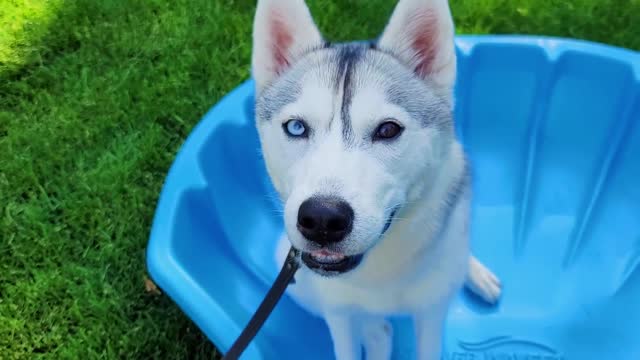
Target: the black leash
(285, 277)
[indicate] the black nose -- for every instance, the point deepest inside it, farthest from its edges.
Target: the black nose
(325, 220)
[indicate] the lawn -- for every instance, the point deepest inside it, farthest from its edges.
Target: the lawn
(95, 99)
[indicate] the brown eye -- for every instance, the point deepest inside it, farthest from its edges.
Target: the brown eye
(387, 130)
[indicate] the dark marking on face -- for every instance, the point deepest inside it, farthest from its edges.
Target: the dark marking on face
(348, 57)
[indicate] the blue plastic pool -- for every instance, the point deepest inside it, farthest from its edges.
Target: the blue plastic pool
(552, 127)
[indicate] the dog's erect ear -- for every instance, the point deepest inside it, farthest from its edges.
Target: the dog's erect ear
(420, 33)
(282, 30)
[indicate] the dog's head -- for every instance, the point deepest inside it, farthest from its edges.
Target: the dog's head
(351, 132)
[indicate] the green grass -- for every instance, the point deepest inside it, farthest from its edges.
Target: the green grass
(95, 99)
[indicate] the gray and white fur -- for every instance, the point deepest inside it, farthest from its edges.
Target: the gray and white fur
(358, 140)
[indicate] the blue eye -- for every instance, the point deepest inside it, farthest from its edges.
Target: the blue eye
(295, 127)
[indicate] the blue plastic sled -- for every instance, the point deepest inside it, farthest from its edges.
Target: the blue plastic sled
(552, 127)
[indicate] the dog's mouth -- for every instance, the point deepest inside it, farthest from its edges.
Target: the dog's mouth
(329, 263)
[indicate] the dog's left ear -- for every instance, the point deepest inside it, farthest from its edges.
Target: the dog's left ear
(421, 34)
(282, 31)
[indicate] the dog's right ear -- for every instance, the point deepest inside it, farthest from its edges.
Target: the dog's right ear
(282, 31)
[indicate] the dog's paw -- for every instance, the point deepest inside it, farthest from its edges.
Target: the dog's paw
(483, 282)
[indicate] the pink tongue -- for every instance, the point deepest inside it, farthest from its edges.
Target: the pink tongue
(325, 253)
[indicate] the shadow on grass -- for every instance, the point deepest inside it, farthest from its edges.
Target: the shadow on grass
(90, 120)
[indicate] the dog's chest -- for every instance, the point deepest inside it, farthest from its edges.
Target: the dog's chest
(401, 296)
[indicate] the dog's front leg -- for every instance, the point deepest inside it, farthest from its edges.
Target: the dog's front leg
(377, 337)
(428, 329)
(345, 335)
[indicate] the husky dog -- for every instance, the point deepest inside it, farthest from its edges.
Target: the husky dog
(358, 140)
